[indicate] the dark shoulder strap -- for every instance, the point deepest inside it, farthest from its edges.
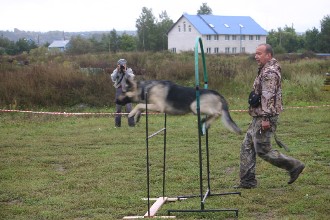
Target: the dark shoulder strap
(120, 79)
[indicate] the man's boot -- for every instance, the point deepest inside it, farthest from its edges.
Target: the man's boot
(294, 174)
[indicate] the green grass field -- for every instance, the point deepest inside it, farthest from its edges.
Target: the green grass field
(77, 167)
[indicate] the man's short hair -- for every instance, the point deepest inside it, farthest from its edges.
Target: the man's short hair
(269, 48)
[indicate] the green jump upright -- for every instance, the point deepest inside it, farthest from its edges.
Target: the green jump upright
(203, 131)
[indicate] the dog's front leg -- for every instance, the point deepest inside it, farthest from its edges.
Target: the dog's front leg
(137, 110)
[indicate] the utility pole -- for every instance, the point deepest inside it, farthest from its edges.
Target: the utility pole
(240, 36)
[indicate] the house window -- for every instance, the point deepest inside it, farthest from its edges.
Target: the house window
(243, 50)
(257, 37)
(216, 37)
(208, 50)
(173, 50)
(189, 27)
(227, 50)
(233, 37)
(234, 50)
(250, 37)
(216, 50)
(184, 26)
(208, 37)
(179, 28)
(227, 37)
(242, 37)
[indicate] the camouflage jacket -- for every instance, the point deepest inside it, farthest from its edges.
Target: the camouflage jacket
(268, 84)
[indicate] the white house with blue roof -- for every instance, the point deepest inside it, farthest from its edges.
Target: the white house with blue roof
(220, 34)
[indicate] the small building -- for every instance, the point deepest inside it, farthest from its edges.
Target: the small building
(220, 34)
(60, 45)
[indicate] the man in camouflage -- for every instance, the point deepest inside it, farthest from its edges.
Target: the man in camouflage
(257, 140)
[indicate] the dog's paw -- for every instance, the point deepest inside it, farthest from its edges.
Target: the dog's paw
(207, 125)
(131, 114)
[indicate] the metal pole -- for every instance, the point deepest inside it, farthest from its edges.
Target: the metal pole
(240, 39)
(200, 152)
(240, 35)
(208, 162)
(164, 159)
(147, 144)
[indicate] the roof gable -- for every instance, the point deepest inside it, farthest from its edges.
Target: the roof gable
(216, 24)
(59, 43)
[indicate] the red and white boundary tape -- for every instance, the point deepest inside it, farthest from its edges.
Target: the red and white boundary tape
(67, 113)
(112, 114)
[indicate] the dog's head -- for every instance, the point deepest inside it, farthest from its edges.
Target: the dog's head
(131, 94)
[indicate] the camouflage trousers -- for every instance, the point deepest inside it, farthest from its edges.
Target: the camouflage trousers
(258, 142)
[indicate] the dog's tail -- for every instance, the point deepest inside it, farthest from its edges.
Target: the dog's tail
(228, 121)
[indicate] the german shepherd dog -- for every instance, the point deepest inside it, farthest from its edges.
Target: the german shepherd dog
(170, 98)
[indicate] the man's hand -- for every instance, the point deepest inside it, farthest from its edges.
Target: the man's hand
(265, 124)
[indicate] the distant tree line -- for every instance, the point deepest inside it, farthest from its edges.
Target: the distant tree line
(18, 47)
(152, 36)
(286, 40)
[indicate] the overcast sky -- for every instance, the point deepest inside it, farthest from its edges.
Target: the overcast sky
(105, 15)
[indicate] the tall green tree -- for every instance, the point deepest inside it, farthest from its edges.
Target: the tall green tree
(164, 24)
(97, 45)
(25, 45)
(325, 34)
(146, 29)
(105, 42)
(285, 40)
(5, 44)
(312, 42)
(114, 41)
(204, 10)
(288, 39)
(127, 42)
(79, 45)
(272, 38)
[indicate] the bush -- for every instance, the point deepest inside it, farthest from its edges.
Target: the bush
(58, 81)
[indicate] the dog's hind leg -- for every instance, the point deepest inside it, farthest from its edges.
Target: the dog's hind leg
(209, 120)
(137, 116)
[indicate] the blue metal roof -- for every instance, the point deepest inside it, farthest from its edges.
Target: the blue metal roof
(216, 24)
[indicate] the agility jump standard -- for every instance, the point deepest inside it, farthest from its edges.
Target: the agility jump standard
(152, 210)
(203, 131)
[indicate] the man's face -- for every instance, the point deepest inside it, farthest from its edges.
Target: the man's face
(261, 56)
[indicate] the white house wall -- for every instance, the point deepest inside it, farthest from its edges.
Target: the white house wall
(182, 41)
(185, 40)
(249, 45)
